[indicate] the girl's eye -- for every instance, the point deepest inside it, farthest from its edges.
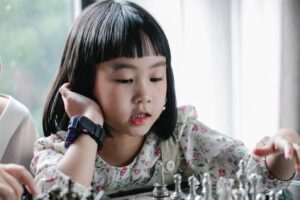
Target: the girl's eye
(125, 81)
(156, 79)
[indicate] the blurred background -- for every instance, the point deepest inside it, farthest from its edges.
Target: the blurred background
(236, 61)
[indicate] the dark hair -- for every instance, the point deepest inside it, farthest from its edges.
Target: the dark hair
(106, 30)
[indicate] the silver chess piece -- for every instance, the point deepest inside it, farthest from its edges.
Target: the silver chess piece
(177, 194)
(242, 175)
(55, 193)
(224, 188)
(90, 195)
(254, 180)
(278, 195)
(260, 197)
(206, 187)
(70, 194)
(193, 183)
(160, 189)
(272, 195)
(238, 194)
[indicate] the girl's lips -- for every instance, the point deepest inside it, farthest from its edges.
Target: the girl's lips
(139, 119)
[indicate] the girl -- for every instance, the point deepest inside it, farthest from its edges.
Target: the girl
(116, 78)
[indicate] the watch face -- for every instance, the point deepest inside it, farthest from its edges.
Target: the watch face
(74, 122)
(71, 136)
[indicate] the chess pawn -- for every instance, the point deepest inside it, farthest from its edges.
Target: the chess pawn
(278, 195)
(90, 195)
(177, 194)
(224, 188)
(272, 195)
(55, 193)
(192, 183)
(238, 194)
(206, 187)
(70, 194)
(242, 175)
(254, 180)
(160, 189)
(260, 197)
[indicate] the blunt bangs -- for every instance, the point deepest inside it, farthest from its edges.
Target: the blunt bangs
(122, 29)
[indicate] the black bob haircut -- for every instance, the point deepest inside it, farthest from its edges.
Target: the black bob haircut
(103, 31)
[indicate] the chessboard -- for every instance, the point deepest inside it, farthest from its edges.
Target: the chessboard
(248, 188)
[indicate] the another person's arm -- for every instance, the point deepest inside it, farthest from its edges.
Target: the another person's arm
(12, 177)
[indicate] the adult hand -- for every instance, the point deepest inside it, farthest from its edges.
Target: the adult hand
(77, 104)
(286, 142)
(12, 177)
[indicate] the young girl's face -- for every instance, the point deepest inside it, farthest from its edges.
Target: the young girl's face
(131, 93)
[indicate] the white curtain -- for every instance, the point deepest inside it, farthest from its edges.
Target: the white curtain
(226, 60)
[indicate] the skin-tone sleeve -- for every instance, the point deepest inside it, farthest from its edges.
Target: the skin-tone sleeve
(23, 138)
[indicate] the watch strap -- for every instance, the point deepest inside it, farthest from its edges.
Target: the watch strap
(96, 131)
(82, 124)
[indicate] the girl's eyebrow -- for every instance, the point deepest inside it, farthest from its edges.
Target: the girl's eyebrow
(118, 66)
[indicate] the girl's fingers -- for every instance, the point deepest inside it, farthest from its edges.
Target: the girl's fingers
(288, 150)
(297, 156)
(64, 89)
(269, 148)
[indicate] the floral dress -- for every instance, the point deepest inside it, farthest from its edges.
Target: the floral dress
(200, 150)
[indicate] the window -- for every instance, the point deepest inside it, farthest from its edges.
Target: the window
(32, 37)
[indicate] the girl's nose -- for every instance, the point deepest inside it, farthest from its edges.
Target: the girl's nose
(142, 99)
(142, 95)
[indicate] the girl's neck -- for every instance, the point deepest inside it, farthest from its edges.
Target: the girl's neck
(120, 151)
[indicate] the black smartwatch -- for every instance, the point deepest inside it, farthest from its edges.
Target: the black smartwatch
(82, 124)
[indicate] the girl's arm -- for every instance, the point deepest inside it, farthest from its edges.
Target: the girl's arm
(282, 154)
(79, 160)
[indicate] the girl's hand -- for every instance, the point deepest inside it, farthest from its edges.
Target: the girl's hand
(77, 104)
(285, 142)
(12, 177)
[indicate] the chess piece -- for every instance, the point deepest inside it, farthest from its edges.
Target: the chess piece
(260, 197)
(177, 194)
(192, 183)
(90, 195)
(70, 194)
(272, 195)
(254, 180)
(238, 194)
(242, 175)
(55, 193)
(206, 187)
(278, 195)
(224, 188)
(160, 189)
